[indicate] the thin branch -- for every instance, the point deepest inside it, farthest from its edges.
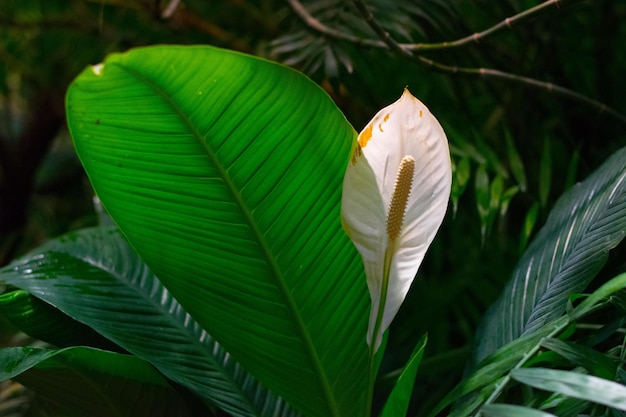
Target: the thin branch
(477, 37)
(170, 9)
(541, 85)
(483, 72)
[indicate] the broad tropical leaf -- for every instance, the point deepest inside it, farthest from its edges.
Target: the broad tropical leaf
(586, 222)
(95, 277)
(224, 172)
(586, 387)
(470, 393)
(89, 382)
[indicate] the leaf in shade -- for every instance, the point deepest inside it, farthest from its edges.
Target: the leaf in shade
(95, 277)
(44, 322)
(81, 381)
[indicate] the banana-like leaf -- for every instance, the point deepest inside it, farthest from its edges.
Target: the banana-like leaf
(94, 276)
(586, 387)
(585, 223)
(81, 381)
(224, 172)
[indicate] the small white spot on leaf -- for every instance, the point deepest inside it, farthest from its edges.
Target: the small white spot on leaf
(98, 69)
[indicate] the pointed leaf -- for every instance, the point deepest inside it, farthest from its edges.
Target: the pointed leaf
(224, 172)
(545, 173)
(506, 199)
(88, 382)
(586, 222)
(530, 220)
(516, 164)
(397, 403)
(95, 277)
(586, 387)
(461, 177)
(481, 190)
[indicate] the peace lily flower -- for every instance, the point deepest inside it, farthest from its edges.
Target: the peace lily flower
(395, 195)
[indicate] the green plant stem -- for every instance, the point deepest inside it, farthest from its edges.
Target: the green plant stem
(373, 368)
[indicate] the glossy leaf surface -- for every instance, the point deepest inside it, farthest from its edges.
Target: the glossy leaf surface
(95, 277)
(586, 387)
(224, 172)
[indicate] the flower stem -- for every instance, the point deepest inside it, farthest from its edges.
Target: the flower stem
(373, 365)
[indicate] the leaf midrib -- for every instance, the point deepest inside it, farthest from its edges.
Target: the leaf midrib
(266, 252)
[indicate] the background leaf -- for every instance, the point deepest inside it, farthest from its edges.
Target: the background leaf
(508, 410)
(44, 322)
(95, 277)
(565, 255)
(224, 172)
(88, 382)
(586, 387)
(398, 401)
(593, 361)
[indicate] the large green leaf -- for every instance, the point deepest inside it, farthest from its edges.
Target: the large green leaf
(586, 222)
(95, 277)
(224, 172)
(88, 382)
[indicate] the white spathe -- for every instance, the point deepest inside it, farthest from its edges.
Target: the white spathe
(403, 133)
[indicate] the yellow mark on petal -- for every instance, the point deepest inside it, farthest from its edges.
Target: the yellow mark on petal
(420, 113)
(380, 127)
(365, 136)
(400, 197)
(386, 117)
(356, 153)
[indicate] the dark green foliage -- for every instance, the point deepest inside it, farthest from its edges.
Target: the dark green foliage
(516, 150)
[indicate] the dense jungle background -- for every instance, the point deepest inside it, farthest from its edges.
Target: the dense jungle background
(546, 109)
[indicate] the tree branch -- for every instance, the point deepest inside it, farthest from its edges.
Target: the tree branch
(407, 50)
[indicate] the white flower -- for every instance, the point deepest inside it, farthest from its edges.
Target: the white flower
(395, 196)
